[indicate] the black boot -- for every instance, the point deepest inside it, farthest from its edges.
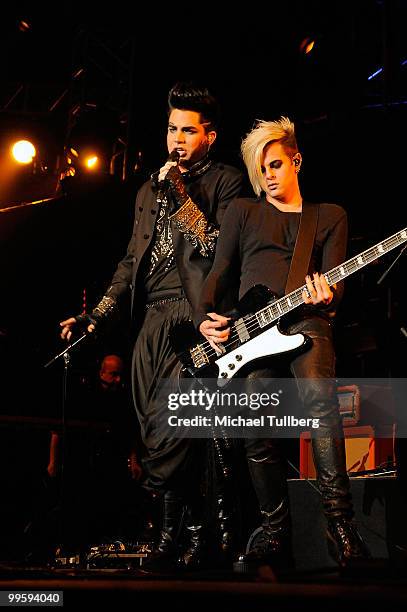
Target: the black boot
(271, 543)
(165, 553)
(194, 555)
(332, 478)
(345, 543)
(205, 549)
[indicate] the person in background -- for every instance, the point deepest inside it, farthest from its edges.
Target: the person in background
(99, 457)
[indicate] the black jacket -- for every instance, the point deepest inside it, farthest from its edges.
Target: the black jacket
(211, 192)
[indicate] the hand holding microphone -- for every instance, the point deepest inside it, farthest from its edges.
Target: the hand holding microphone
(171, 176)
(172, 162)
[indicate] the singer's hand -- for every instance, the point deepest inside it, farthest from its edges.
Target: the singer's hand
(176, 183)
(69, 324)
(162, 174)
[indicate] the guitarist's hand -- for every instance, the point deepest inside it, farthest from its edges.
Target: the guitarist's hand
(215, 331)
(318, 290)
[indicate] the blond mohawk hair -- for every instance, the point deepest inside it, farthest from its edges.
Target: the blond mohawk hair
(264, 133)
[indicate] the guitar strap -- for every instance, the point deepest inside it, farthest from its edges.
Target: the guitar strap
(304, 243)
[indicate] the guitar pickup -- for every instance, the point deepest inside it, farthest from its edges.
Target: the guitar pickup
(199, 356)
(240, 327)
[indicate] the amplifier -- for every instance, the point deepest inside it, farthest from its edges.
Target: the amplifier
(349, 404)
(365, 450)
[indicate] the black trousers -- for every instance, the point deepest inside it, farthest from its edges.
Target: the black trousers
(171, 463)
(314, 371)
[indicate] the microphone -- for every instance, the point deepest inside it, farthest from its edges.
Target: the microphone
(172, 157)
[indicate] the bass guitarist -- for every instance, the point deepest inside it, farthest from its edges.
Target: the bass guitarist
(256, 245)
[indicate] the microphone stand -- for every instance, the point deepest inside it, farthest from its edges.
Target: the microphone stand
(385, 273)
(61, 448)
(65, 352)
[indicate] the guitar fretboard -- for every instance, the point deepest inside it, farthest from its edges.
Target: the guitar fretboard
(284, 305)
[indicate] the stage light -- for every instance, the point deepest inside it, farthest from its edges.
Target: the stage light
(372, 76)
(307, 44)
(24, 26)
(23, 151)
(91, 162)
(380, 70)
(71, 154)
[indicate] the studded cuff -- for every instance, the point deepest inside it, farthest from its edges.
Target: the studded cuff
(191, 222)
(106, 307)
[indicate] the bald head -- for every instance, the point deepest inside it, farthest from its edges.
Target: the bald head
(111, 372)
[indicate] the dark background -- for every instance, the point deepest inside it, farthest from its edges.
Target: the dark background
(101, 76)
(90, 75)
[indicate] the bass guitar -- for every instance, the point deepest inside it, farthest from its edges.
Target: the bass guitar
(254, 332)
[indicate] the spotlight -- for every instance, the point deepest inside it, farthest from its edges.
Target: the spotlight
(24, 26)
(91, 162)
(23, 151)
(307, 44)
(71, 155)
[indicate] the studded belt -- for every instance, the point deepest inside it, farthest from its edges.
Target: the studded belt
(162, 301)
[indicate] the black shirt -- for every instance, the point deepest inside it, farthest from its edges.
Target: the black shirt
(257, 240)
(161, 271)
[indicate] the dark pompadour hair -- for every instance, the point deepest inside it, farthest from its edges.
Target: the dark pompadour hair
(193, 97)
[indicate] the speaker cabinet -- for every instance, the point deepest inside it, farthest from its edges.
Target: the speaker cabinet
(380, 509)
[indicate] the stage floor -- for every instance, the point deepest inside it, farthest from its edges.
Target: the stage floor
(318, 590)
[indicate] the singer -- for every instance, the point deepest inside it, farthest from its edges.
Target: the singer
(177, 218)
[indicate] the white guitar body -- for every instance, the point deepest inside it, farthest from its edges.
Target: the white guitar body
(270, 342)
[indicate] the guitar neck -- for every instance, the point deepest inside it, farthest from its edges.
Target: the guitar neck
(294, 299)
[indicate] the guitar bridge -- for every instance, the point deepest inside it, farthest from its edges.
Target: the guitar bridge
(199, 356)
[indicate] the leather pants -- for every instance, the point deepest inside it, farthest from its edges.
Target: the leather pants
(314, 371)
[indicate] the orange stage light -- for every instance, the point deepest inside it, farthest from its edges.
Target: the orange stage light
(23, 151)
